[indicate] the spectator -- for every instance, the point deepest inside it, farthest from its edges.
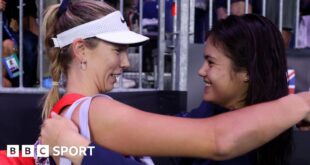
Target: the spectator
(30, 38)
(7, 48)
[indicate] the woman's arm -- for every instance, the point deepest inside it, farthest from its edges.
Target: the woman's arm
(59, 131)
(133, 132)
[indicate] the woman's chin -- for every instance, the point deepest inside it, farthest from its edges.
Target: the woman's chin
(109, 88)
(106, 88)
(207, 98)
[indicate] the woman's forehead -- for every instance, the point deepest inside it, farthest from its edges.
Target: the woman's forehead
(210, 45)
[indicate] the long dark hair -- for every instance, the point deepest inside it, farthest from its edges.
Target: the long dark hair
(254, 43)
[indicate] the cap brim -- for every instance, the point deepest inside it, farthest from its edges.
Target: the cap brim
(123, 37)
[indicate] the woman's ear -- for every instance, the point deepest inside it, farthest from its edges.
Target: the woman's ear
(78, 49)
(246, 77)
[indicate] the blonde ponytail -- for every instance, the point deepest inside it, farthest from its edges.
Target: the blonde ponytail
(48, 29)
(53, 95)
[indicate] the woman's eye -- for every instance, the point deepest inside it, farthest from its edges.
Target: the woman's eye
(118, 51)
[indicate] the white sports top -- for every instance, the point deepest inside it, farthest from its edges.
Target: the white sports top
(84, 126)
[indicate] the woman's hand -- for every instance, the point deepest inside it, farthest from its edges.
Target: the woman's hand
(304, 125)
(59, 131)
(55, 131)
(306, 97)
(14, 25)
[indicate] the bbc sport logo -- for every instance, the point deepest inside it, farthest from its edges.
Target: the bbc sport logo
(44, 151)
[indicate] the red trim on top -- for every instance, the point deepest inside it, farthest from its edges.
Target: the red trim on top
(66, 100)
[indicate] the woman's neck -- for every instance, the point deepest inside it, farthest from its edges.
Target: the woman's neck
(80, 85)
(234, 106)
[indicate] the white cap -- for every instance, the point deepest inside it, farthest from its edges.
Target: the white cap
(111, 28)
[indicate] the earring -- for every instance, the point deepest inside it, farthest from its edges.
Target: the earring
(83, 65)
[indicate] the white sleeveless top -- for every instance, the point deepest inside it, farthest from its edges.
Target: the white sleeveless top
(84, 126)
